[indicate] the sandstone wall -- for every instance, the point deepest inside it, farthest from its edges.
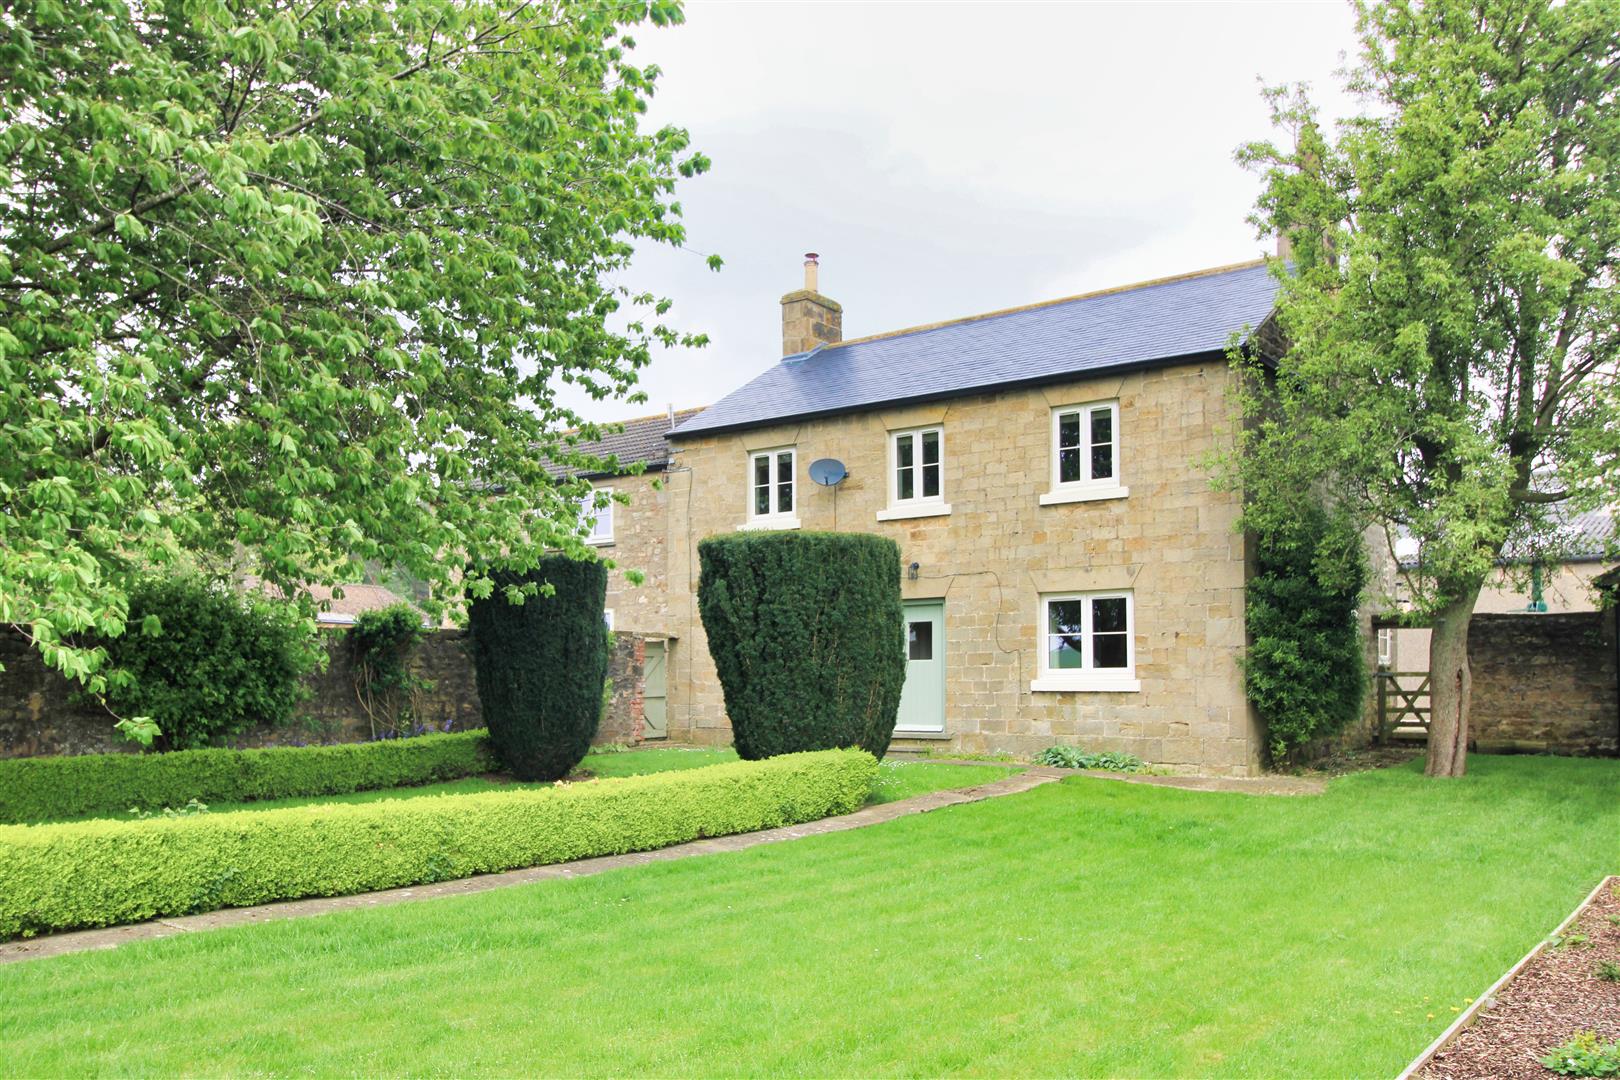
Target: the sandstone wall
(641, 531)
(1170, 541)
(40, 713)
(1545, 682)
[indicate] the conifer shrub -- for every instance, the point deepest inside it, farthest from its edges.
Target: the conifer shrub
(807, 635)
(1306, 671)
(540, 654)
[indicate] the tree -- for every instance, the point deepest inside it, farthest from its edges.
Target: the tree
(1451, 319)
(290, 286)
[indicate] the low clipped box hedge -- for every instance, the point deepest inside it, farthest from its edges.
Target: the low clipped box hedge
(101, 873)
(47, 788)
(807, 634)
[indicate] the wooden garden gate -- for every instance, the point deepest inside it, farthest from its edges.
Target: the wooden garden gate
(1403, 705)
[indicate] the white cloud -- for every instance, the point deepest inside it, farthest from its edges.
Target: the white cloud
(947, 159)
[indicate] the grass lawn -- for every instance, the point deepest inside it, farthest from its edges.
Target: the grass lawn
(1087, 927)
(897, 779)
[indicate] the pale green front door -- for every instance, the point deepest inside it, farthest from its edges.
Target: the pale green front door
(922, 702)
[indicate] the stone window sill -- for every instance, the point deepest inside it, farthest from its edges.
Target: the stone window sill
(766, 524)
(921, 510)
(902, 733)
(1069, 684)
(1084, 494)
(600, 541)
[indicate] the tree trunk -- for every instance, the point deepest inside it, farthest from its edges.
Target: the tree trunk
(1450, 686)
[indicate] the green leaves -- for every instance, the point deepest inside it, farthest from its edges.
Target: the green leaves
(207, 661)
(1443, 351)
(139, 729)
(286, 288)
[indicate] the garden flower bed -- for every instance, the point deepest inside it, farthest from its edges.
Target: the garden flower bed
(1569, 986)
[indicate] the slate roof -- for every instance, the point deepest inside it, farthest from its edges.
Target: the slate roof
(1584, 537)
(333, 610)
(1588, 535)
(641, 442)
(1118, 329)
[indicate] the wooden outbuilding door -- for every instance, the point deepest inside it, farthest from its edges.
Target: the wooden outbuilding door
(654, 722)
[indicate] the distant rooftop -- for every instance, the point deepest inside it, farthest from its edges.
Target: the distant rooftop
(1586, 537)
(335, 610)
(1117, 329)
(640, 443)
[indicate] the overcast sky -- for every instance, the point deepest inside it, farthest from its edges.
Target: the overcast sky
(947, 159)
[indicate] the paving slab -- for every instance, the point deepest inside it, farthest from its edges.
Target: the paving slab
(1269, 784)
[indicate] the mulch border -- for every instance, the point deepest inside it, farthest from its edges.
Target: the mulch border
(1488, 998)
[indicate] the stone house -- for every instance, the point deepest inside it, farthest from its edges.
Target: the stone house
(1070, 574)
(634, 526)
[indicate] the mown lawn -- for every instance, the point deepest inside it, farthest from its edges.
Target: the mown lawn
(896, 780)
(1086, 928)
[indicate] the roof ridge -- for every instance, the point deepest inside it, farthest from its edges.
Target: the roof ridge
(638, 419)
(1132, 287)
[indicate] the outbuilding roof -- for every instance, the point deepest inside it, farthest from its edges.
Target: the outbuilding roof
(641, 442)
(1589, 536)
(1130, 327)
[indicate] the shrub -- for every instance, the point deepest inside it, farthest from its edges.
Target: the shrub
(1306, 671)
(206, 661)
(1072, 757)
(39, 789)
(541, 663)
(380, 646)
(1585, 1055)
(100, 873)
(806, 632)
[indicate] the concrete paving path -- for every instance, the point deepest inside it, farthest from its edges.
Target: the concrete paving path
(112, 937)
(1243, 785)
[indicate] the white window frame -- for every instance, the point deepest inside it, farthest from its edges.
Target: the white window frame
(597, 514)
(775, 519)
(607, 617)
(1086, 678)
(1386, 646)
(1085, 489)
(919, 505)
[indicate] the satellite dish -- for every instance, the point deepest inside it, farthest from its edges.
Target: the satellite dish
(827, 471)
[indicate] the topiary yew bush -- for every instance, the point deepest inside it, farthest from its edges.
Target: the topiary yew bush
(806, 632)
(540, 661)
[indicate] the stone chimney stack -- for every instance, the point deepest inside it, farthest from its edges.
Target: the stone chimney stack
(808, 318)
(1285, 246)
